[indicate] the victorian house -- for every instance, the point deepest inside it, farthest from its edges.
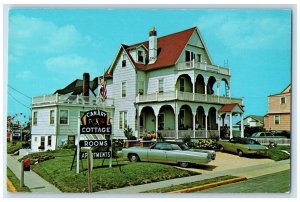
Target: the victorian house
(170, 86)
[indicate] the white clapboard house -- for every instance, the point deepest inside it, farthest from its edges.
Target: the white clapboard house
(55, 117)
(165, 85)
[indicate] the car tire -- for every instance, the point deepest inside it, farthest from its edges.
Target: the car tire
(221, 148)
(133, 158)
(240, 153)
(183, 164)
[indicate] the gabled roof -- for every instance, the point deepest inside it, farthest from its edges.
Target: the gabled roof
(75, 87)
(230, 108)
(169, 49)
(287, 90)
(255, 117)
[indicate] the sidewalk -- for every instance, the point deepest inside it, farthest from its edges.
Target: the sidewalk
(248, 172)
(32, 180)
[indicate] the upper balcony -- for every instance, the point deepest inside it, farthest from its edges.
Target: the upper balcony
(187, 96)
(70, 100)
(202, 66)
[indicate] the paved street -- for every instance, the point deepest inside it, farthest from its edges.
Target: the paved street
(273, 183)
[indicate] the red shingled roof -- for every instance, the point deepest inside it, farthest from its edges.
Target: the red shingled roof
(169, 49)
(227, 107)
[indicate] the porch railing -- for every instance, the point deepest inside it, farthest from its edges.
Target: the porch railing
(202, 66)
(70, 99)
(187, 96)
(171, 134)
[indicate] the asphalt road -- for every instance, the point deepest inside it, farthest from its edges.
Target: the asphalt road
(272, 183)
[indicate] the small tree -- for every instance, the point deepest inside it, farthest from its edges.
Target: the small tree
(128, 133)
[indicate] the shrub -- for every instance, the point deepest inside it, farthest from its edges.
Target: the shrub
(128, 132)
(206, 144)
(69, 146)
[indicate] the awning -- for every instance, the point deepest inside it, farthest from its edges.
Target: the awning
(233, 108)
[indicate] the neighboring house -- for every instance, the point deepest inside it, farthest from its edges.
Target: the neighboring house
(166, 85)
(55, 117)
(253, 121)
(279, 111)
(171, 86)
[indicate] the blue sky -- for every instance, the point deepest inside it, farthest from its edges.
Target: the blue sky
(49, 48)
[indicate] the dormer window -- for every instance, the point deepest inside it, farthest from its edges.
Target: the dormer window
(141, 56)
(124, 60)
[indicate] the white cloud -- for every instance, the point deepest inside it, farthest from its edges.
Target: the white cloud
(24, 75)
(70, 65)
(245, 31)
(33, 35)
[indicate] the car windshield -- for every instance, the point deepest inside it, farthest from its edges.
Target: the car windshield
(249, 141)
(184, 147)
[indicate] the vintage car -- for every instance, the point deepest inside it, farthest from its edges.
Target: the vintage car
(166, 153)
(185, 147)
(242, 146)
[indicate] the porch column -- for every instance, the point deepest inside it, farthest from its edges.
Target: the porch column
(218, 88)
(206, 132)
(219, 127)
(176, 124)
(230, 122)
(242, 124)
(194, 124)
(194, 84)
(205, 92)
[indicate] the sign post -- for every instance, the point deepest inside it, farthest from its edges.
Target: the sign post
(90, 167)
(78, 147)
(110, 150)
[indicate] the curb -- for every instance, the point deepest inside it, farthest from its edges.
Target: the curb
(10, 186)
(211, 185)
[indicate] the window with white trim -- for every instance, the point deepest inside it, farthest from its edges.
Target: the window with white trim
(160, 85)
(49, 140)
(122, 119)
(124, 58)
(123, 89)
(52, 117)
(64, 117)
(34, 120)
(276, 119)
(140, 56)
(141, 85)
(282, 100)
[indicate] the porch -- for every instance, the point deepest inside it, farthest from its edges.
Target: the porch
(177, 120)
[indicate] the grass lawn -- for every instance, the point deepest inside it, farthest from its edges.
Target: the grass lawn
(57, 171)
(190, 185)
(16, 182)
(12, 148)
(276, 154)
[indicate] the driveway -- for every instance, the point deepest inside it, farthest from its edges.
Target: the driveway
(226, 161)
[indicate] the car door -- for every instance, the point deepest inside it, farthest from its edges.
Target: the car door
(231, 145)
(158, 153)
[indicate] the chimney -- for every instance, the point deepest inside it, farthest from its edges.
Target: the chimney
(86, 84)
(152, 46)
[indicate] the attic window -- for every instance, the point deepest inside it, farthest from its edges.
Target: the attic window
(124, 60)
(282, 100)
(140, 56)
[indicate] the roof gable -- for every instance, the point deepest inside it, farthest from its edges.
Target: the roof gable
(287, 89)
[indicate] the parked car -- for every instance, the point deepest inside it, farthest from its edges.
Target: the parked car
(166, 153)
(242, 146)
(262, 134)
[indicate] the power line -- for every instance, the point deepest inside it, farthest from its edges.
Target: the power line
(18, 101)
(19, 92)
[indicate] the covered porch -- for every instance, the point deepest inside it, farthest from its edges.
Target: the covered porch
(177, 120)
